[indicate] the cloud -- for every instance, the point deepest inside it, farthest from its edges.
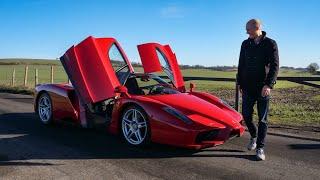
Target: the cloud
(172, 11)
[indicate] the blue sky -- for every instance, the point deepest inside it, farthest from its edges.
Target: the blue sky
(206, 32)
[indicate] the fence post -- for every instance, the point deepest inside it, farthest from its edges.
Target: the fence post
(51, 74)
(26, 75)
(237, 97)
(13, 77)
(35, 77)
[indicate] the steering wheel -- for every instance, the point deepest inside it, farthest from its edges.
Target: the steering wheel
(150, 87)
(156, 89)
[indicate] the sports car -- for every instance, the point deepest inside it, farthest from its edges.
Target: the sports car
(105, 91)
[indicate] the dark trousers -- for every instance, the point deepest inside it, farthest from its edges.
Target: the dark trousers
(248, 102)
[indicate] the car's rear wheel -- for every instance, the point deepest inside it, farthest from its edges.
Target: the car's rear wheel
(135, 126)
(44, 108)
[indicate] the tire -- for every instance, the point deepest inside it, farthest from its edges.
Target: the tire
(135, 127)
(44, 109)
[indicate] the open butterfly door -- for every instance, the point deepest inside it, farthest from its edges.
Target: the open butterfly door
(93, 68)
(160, 58)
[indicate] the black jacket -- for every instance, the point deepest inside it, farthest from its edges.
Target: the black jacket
(254, 58)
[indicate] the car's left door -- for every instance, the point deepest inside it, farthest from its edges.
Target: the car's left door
(95, 67)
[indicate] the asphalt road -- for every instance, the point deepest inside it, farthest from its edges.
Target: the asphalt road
(29, 150)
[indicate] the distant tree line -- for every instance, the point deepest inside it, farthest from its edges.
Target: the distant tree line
(312, 68)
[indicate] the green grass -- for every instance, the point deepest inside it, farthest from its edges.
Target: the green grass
(16, 90)
(43, 74)
(317, 98)
(60, 76)
(292, 103)
(295, 114)
(315, 82)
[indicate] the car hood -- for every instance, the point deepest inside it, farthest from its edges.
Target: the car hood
(213, 113)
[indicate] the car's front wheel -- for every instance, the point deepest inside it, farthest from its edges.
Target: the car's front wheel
(44, 108)
(135, 126)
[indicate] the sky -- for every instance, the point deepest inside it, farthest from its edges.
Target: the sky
(204, 32)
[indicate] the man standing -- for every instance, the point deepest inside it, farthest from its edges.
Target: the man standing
(257, 72)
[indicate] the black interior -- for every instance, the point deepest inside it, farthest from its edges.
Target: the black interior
(133, 87)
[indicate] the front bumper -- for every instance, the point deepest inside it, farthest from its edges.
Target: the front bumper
(214, 137)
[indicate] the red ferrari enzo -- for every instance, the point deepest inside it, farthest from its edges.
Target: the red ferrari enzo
(106, 92)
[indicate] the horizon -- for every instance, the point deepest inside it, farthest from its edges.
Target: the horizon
(134, 62)
(200, 32)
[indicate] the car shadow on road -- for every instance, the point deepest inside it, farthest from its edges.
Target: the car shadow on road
(20, 99)
(304, 146)
(17, 163)
(68, 142)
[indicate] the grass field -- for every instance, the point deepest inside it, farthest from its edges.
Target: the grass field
(291, 104)
(60, 76)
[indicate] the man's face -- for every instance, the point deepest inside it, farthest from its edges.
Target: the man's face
(252, 30)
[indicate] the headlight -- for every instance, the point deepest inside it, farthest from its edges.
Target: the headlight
(178, 115)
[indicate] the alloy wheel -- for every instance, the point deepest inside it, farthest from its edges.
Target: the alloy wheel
(44, 109)
(134, 126)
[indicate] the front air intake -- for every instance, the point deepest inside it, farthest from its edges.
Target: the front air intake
(207, 136)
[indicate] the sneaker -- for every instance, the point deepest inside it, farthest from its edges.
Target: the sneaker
(252, 144)
(260, 154)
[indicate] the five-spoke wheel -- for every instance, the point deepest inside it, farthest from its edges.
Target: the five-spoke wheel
(134, 125)
(44, 107)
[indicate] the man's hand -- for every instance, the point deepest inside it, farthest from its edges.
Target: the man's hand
(265, 91)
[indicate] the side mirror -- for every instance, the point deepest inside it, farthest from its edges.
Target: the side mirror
(122, 90)
(192, 87)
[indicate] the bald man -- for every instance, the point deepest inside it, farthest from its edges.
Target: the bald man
(257, 72)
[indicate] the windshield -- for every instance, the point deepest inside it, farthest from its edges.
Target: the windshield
(149, 84)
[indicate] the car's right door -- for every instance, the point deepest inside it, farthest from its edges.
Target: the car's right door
(156, 58)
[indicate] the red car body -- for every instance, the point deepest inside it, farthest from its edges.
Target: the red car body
(210, 121)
